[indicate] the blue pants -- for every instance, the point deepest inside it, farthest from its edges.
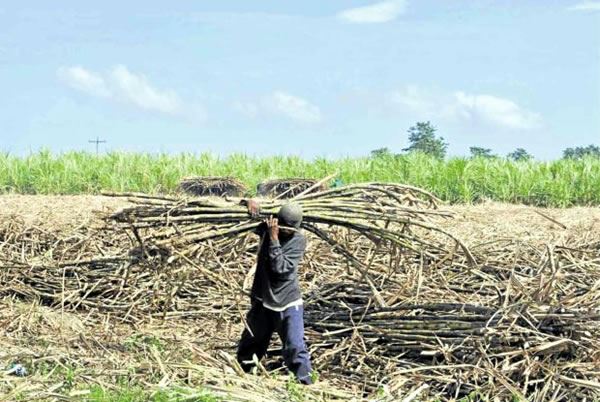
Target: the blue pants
(289, 324)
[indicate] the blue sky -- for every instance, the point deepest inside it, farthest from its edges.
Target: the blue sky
(309, 78)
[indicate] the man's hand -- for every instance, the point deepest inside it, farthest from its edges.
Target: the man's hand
(273, 226)
(253, 208)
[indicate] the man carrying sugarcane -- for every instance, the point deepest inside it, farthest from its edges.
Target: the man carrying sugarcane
(275, 296)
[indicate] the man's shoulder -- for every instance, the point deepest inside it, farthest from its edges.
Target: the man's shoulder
(300, 238)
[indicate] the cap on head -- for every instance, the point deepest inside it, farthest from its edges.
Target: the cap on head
(290, 215)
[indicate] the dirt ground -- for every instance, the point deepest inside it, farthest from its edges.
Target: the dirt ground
(90, 346)
(60, 213)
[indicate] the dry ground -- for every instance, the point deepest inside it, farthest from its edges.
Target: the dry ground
(137, 346)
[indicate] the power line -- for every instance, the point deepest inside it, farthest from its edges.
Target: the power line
(97, 141)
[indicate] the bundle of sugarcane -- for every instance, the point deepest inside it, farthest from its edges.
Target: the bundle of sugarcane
(391, 213)
(521, 345)
(287, 188)
(212, 186)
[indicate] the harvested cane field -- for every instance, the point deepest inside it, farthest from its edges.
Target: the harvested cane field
(137, 297)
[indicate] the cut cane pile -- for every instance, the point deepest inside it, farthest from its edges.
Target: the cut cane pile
(396, 305)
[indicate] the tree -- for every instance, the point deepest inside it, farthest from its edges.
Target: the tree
(580, 152)
(380, 152)
(479, 152)
(520, 154)
(422, 138)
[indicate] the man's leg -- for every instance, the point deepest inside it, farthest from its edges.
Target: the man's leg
(256, 342)
(295, 354)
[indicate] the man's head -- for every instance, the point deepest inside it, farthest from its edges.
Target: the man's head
(290, 215)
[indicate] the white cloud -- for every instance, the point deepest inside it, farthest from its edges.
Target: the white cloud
(294, 107)
(586, 6)
(376, 13)
(122, 85)
(83, 80)
(460, 106)
(136, 90)
(282, 104)
(493, 109)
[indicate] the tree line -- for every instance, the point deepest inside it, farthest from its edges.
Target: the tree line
(422, 137)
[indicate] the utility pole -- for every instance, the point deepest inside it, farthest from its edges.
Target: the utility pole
(97, 141)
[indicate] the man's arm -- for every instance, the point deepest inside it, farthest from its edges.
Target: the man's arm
(284, 260)
(254, 211)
